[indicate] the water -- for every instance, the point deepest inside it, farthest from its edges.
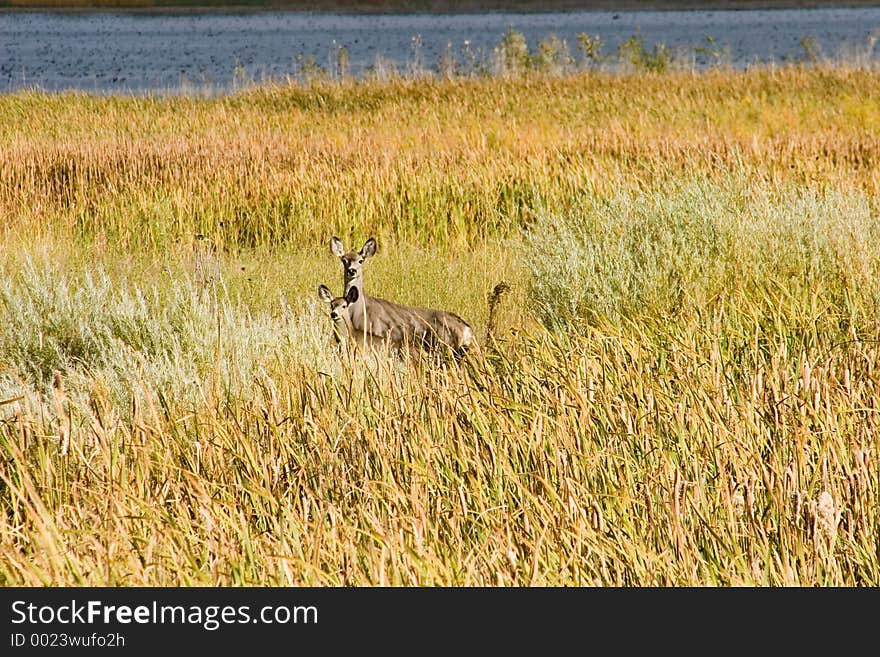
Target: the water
(216, 52)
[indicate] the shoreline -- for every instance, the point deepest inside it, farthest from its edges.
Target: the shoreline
(429, 6)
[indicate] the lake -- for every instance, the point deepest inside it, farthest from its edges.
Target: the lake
(218, 52)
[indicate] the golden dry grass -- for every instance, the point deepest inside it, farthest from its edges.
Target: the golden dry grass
(172, 410)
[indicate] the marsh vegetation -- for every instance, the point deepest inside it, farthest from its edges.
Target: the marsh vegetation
(684, 388)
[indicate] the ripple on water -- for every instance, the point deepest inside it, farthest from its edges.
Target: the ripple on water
(143, 53)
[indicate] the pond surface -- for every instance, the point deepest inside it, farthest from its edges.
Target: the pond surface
(216, 52)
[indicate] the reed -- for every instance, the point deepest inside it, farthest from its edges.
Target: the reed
(682, 391)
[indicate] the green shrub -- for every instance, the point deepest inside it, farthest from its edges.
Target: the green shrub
(671, 252)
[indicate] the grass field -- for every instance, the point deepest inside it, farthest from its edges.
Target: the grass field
(683, 389)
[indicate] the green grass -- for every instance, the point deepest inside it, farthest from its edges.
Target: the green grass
(683, 390)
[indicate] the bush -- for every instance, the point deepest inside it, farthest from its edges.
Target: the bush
(634, 54)
(663, 254)
(512, 54)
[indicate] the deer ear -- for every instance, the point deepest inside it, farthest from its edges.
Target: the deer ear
(369, 248)
(352, 295)
(324, 293)
(336, 247)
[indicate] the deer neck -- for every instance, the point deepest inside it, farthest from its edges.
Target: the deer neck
(357, 315)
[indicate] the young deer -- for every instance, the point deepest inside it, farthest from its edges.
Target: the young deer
(340, 313)
(343, 330)
(396, 324)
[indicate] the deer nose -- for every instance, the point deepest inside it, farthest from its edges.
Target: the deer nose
(350, 272)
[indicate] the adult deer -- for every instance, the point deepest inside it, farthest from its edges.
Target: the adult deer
(397, 325)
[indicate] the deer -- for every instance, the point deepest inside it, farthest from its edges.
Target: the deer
(340, 315)
(395, 324)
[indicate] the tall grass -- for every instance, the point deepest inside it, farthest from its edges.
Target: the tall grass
(681, 390)
(442, 161)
